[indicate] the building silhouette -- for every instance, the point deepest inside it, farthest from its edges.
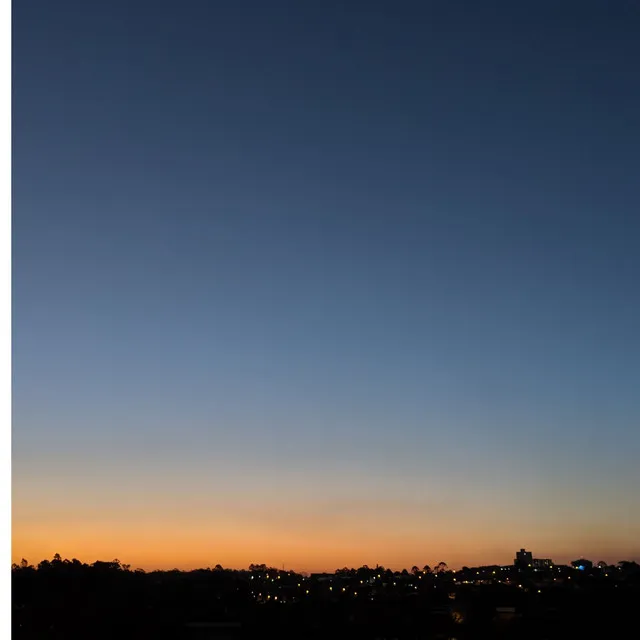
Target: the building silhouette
(523, 560)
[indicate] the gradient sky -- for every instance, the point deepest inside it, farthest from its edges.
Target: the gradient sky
(326, 283)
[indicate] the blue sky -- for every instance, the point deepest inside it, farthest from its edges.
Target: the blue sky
(389, 241)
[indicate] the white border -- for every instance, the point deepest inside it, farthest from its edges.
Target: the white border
(5, 315)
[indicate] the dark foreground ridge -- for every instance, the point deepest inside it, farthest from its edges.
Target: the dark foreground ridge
(528, 600)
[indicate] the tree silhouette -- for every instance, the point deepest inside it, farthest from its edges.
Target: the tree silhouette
(629, 566)
(68, 598)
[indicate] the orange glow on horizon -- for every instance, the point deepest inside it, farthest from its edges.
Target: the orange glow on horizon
(183, 526)
(174, 546)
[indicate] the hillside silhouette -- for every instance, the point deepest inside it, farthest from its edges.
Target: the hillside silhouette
(61, 598)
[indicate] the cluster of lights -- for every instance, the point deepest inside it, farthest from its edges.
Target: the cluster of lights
(269, 577)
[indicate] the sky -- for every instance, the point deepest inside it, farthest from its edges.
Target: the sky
(325, 283)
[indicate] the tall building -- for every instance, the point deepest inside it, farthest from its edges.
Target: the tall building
(524, 559)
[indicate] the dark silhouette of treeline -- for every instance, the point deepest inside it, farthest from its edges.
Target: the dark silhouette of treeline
(69, 599)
